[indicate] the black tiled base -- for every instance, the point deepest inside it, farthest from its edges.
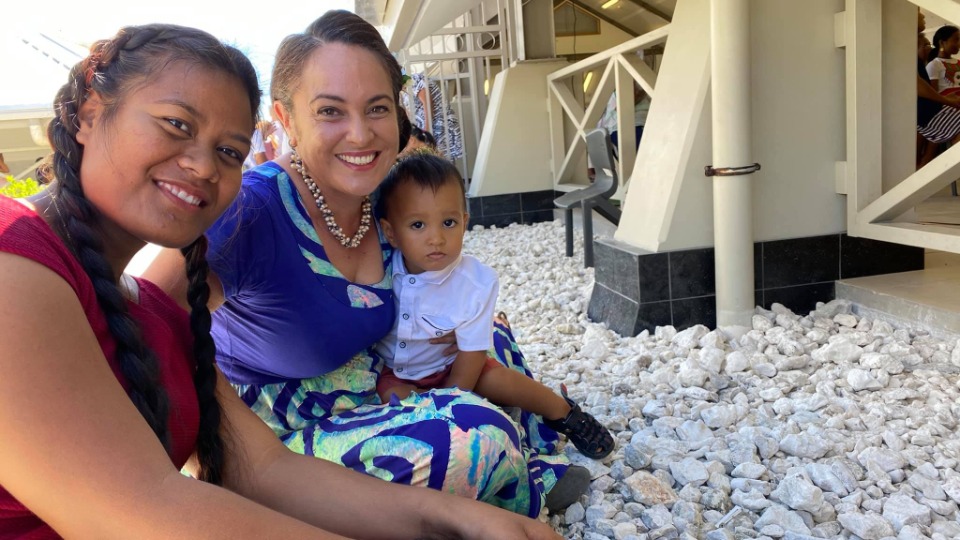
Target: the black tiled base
(636, 291)
(502, 210)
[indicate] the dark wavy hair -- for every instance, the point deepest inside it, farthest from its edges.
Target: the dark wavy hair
(942, 34)
(422, 168)
(335, 26)
(115, 68)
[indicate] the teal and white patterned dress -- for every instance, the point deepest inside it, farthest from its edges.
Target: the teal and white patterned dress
(295, 339)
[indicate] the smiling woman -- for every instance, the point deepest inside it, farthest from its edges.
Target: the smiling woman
(306, 282)
(150, 133)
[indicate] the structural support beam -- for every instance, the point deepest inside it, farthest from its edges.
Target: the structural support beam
(602, 17)
(732, 195)
(646, 6)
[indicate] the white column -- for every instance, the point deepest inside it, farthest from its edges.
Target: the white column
(732, 195)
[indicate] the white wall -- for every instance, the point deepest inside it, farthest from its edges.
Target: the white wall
(798, 123)
(797, 87)
(798, 118)
(514, 151)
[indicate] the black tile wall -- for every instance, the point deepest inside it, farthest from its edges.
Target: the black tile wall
(502, 210)
(864, 257)
(677, 287)
(691, 273)
(619, 312)
(800, 261)
(536, 216)
(800, 298)
(691, 311)
(537, 200)
(494, 205)
(654, 274)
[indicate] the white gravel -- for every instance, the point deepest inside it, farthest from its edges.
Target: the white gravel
(819, 425)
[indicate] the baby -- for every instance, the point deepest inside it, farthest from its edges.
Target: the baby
(422, 210)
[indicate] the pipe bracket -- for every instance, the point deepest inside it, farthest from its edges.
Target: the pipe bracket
(709, 170)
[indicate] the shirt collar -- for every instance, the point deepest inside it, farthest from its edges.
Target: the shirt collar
(435, 277)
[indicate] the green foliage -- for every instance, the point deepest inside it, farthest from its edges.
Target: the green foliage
(20, 188)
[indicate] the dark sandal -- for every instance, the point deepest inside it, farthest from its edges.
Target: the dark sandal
(568, 488)
(583, 430)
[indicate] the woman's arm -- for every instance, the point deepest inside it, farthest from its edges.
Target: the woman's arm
(74, 449)
(168, 271)
(427, 107)
(320, 492)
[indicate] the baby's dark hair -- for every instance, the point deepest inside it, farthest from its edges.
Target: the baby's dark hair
(424, 169)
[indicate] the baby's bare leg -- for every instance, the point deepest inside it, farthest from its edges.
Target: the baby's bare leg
(402, 391)
(509, 388)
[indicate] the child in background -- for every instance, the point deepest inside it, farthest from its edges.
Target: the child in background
(422, 210)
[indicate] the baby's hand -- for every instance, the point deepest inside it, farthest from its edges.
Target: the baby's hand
(447, 339)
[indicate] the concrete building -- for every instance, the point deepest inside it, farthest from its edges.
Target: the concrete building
(819, 93)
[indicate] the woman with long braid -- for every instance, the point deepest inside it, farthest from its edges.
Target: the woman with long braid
(108, 388)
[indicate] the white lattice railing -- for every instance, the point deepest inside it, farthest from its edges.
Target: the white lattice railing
(618, 69)
(461, 59)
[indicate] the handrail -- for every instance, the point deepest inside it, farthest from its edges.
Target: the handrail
(653, 37)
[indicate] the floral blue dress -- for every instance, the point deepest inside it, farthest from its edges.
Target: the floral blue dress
(295, 338)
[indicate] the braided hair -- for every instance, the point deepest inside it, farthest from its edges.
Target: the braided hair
(114, 68)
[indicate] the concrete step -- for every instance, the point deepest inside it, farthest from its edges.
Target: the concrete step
(928, 299)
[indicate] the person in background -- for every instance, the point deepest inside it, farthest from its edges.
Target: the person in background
(258, 149)
(938, 116)
(433, 115)
(134, 372)
(942, 68)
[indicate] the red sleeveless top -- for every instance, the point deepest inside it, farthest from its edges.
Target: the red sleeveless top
(165, 327)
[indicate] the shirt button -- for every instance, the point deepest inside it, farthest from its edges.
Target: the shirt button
(439, 333)
(399, 369)
(405, 316)
(403, 345)
(413, 280)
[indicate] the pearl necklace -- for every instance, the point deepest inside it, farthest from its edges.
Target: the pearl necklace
(366, 208)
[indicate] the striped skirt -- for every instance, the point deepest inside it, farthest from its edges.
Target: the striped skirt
(446, 439)
(943, 127)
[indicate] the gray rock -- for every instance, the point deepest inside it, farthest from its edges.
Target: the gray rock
(780, 515)
(689, 471)
(719, 416)
(860, 379)
(838, 352)
(824, 478)
(646, 489)
(575, 512)
(911, 532)
(866, 526)
(805, 446)
(901, 510)
(749, 470)
(720, 534)
(694, 431)
(751, 500)
(798, 493)
(930, 488)
(951, 486)
(886, 459)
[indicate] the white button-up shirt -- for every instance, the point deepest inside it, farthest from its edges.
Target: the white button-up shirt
(460, 299)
